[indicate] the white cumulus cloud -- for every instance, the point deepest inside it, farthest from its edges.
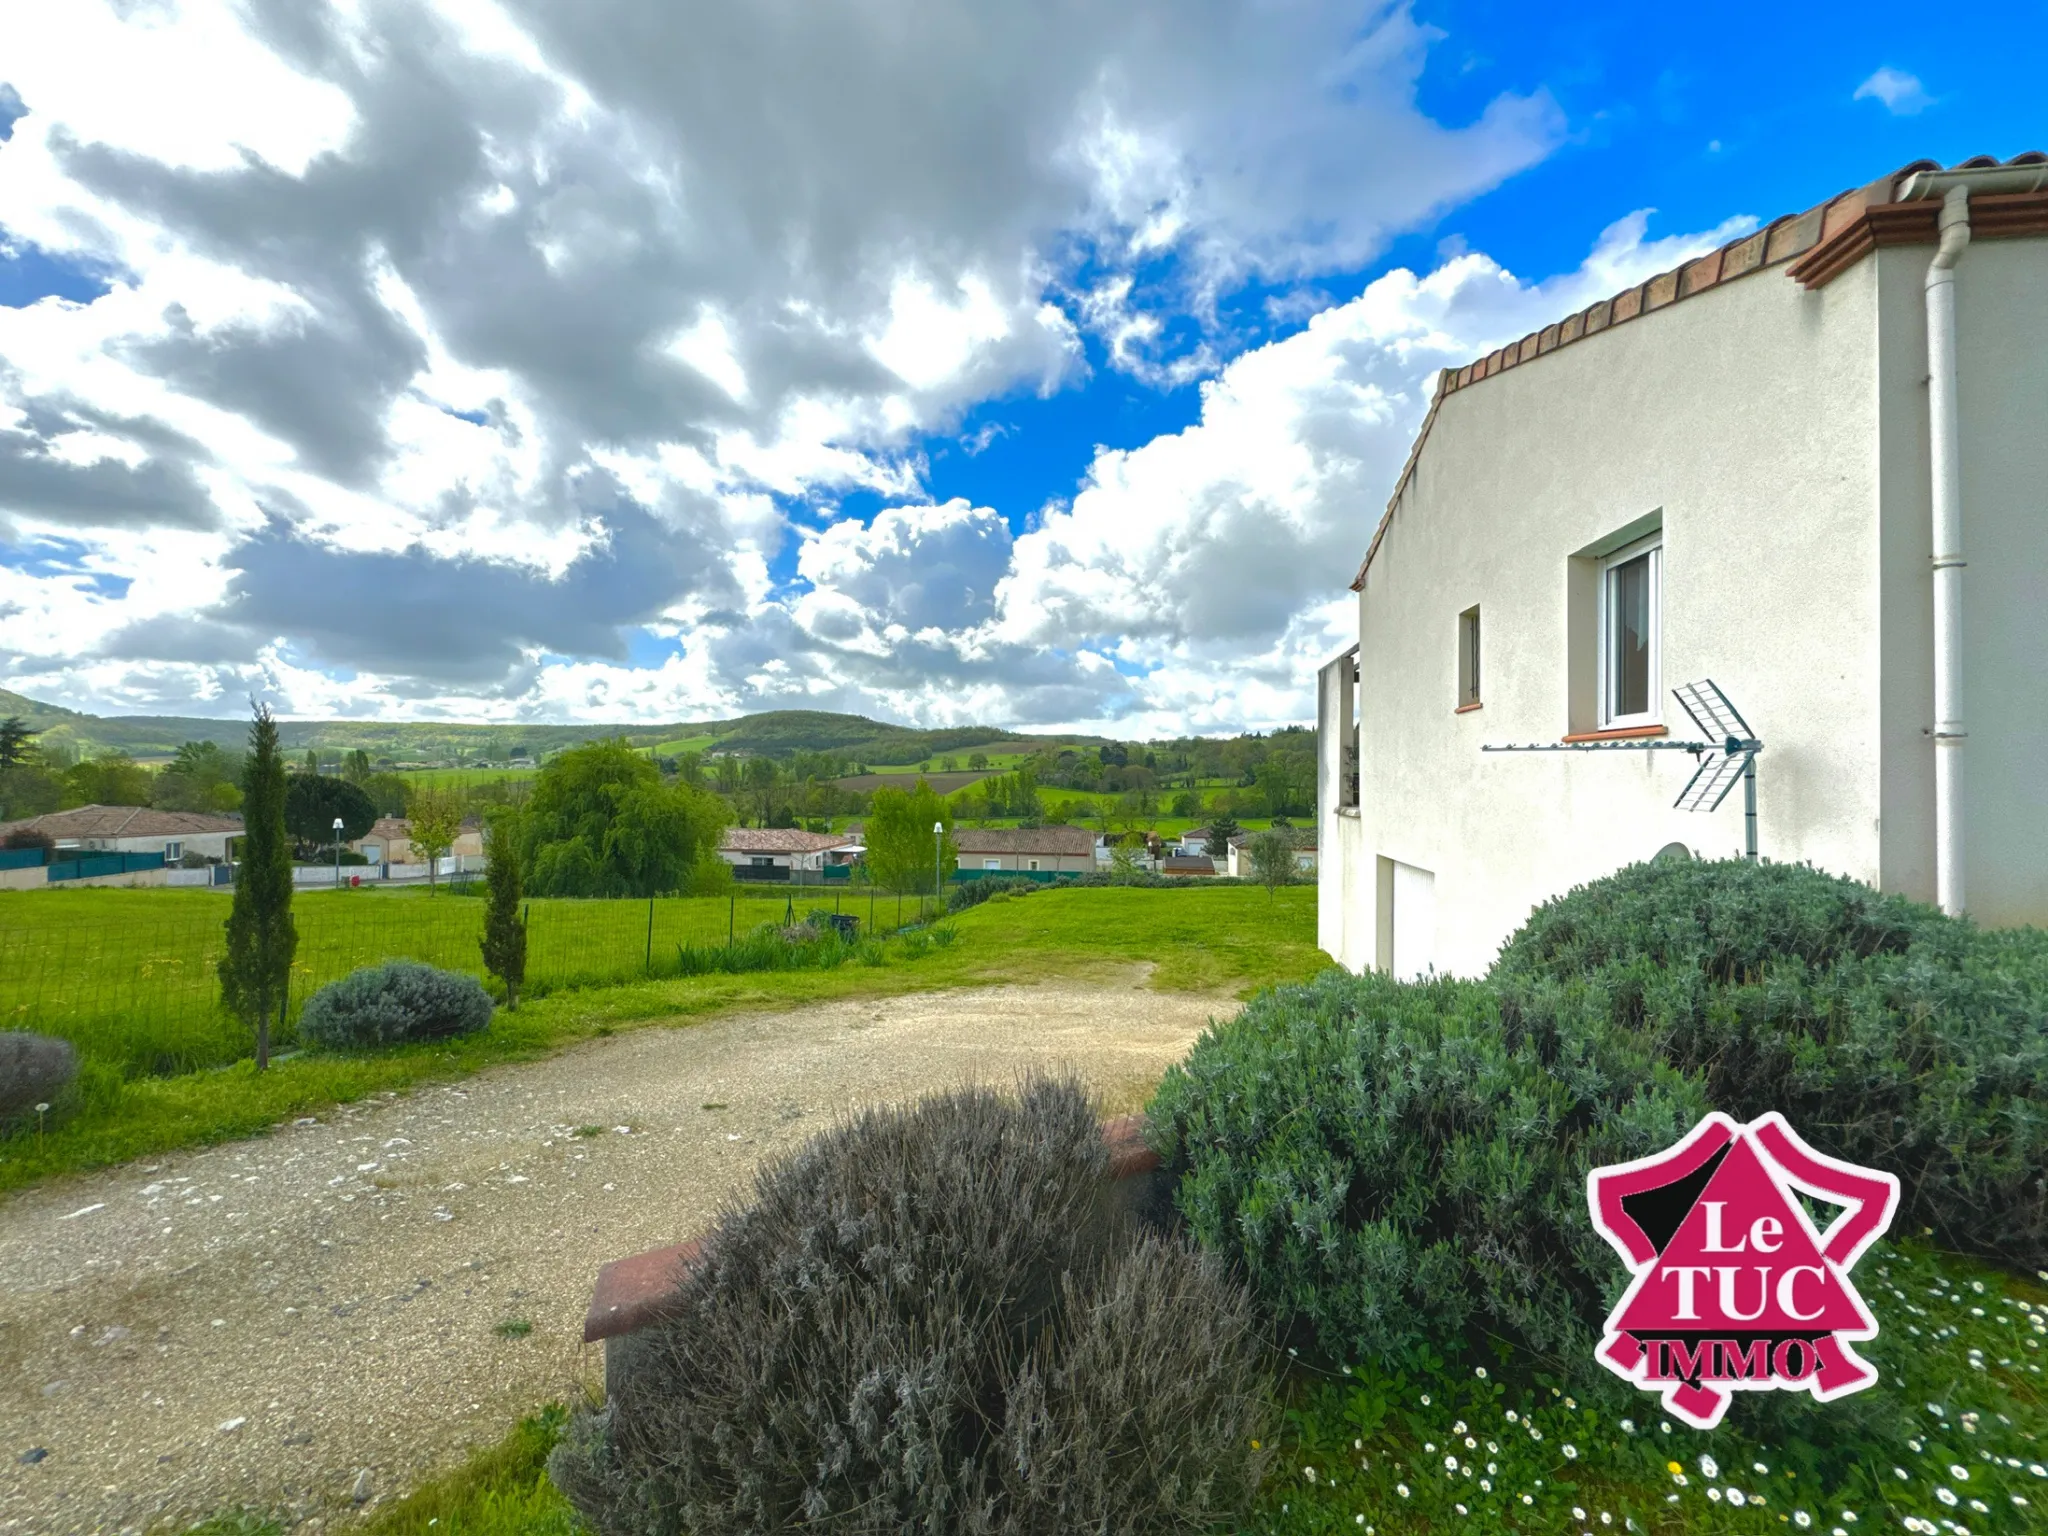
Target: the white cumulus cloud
(1901, 94)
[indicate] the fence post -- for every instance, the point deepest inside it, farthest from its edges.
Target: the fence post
(650, 936)
(732, 903)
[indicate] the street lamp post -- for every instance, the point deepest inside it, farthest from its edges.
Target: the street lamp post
(337, 853)
(938, 864)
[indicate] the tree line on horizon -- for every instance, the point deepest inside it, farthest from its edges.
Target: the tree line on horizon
(1127, 786)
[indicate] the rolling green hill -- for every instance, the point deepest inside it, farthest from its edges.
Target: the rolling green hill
(776, 733)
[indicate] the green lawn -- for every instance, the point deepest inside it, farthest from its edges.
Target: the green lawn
(129, 976)
(1231, 937)
(1959, 1348)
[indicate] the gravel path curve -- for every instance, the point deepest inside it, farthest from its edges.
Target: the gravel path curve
(259, 1324)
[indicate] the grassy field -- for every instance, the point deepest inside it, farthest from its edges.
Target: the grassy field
(466, 778)
(998, 762)
(1231, 937)
(129, 976)
(684, 744)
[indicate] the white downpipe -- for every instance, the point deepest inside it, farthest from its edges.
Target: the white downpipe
(1944, 452)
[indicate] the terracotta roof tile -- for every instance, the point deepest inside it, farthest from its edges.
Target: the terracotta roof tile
(124, 821)
(1826, 240)
(782, 840)
(1074, 842)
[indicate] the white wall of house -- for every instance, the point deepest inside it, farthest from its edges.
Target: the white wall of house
(1057, 863)
(211, 844)
(1744, 420)
(1777, 436)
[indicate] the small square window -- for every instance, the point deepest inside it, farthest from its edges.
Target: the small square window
(1032, 865)
(1468, 658)
(991, 863)
(1631, 632)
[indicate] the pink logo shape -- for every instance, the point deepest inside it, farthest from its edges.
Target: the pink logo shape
(1735, 1289)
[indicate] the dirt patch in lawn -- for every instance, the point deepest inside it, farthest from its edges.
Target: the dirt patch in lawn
(260, 1323)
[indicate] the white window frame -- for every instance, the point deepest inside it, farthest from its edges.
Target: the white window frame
(173, 852)
(1653, 546)
(987, 864)
(1032, 866)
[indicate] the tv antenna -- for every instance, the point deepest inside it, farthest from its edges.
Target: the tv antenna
(1727, 755)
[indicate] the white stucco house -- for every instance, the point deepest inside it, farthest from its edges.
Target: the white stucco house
(1767, 468)
(389, 841)
(1238, 858)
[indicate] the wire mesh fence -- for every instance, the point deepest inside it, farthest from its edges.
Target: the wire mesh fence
(132, 978)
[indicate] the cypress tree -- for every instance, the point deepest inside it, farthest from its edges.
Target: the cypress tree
(504, 941)
(261, 937)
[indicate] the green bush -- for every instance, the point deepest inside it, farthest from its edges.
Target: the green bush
(1889, 1034)
(1392, 1168)
(34, 1069)
(934, 1319)
(972, 893)
(392, 1003)
(710, 875)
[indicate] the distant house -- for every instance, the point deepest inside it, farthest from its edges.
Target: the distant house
(1025, 850)
(1239, 862)
(133, 829)
(389, 841)
(1193, 841)
(775, 853)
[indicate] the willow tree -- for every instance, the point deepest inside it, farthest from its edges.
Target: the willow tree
(255, 974)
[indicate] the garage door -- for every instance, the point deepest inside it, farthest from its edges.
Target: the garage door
(1414, 921)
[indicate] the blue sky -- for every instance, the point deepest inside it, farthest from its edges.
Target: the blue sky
(942, 371)
(1696, 119)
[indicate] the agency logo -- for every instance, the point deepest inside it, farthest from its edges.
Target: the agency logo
(1735, 1288)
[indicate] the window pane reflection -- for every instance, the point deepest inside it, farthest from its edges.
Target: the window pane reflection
(1628, 632)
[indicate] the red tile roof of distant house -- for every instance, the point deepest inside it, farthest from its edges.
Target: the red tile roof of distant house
(1070, 842)
(1827, 240)
(1187, 864)
(105, 821)
(782, 840)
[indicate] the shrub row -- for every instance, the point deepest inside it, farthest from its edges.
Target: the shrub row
(1400, 1169)
(1888, 1033)
(972, 893)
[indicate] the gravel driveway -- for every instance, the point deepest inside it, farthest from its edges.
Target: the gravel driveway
(258, 1324)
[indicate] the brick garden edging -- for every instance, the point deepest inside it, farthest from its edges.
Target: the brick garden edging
(634, 1292)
